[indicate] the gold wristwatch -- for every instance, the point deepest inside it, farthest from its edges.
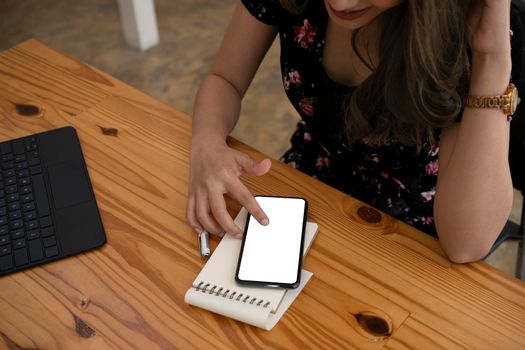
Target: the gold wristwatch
(506, 102)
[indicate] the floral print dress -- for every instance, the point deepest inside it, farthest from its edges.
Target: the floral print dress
(391, 177)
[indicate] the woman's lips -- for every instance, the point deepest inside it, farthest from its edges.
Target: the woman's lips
(349, 15)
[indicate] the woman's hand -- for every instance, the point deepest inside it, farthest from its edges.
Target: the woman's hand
(214, 171)
(488, 32)
(488, 27)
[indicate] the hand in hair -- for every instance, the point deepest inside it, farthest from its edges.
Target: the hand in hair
(488, 27)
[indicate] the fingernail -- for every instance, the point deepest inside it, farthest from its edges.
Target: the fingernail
(238, 236)
(198, 230)
(265, 222)
(221, 234)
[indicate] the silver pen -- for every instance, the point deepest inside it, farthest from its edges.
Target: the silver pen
(204, 244)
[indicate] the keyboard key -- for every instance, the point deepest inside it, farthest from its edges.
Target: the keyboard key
(4, 239)
(49, 241)
(9, 173)
(30, 216)
(48, 231)
(3, 220)
(21, 166)
(13, 206)
(51, 251)
(24, 182)
(11, 189)
(14, 225)
(35, 250)
(8, 165)
(5, 250)
(31, 225)
(2, 193)
(25, 189)
(21, 257)
(16, 234)
(40, 193)
(3, 211)
(5, 147)
(7, 157)
(46, 221)
(11, 197)
(28, 206)
(2, 202)
(6, 262)
(20, 158)
(19, 243)
(14, 215)
(33, 234)
(10, 181)
(4, 230)
(27, 198)
(22, 173)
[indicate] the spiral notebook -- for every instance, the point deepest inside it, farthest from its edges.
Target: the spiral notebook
(216, 290)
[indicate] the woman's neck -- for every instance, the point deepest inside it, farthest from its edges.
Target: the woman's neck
(341, 62)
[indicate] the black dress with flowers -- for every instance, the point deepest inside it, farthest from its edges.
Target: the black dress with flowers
(391, 177)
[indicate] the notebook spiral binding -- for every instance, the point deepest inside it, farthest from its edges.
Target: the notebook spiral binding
(218, 291)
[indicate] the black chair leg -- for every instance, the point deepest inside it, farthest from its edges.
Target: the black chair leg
(520, 272)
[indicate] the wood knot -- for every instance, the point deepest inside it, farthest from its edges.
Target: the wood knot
(368, 214)
(84, 302)
(109, 131)
(28, 110)
(373, 324)
(82, 329)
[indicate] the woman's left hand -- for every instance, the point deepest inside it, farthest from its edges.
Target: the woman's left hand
(488, 27)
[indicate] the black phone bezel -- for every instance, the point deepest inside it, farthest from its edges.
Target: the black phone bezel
(292, 285)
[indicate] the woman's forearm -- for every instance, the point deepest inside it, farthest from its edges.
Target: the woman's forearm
(474, 193)
(217, 108)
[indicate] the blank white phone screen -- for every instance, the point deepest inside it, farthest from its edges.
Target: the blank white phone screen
(271, 253)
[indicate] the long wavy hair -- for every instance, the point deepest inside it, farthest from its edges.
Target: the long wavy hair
(422, 73)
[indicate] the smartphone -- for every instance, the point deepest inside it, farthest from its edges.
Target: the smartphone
(272, 255)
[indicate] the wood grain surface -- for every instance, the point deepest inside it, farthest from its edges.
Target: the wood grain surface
(377, 282)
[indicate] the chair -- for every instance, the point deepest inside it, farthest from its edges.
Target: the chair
(513, 231)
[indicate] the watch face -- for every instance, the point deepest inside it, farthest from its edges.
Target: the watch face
(514, 100)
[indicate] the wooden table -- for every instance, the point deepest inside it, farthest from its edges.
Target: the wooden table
(129, 294)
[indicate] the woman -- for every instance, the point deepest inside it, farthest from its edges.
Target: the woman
(389, 92)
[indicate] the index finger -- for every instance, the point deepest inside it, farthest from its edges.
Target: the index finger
(241, 193)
